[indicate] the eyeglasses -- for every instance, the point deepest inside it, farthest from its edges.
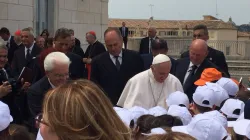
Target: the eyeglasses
(39, 120)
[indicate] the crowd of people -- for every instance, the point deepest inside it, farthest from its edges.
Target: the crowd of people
(52, 90)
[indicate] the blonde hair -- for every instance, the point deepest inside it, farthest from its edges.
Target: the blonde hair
(171, 136)
(80, 110)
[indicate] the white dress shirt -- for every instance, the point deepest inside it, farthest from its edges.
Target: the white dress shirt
(114, 59)
(150, 43)
(25, 49)
(51, 84)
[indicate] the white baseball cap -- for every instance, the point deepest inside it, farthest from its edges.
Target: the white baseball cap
(157, 111)
(220, 93)
(233, 108)
(5, 117)
(242, 127)
(204, 96)
(178, 98)
(181, 112)
(203, 127)
(138, 108)
(125, 115)
(216, 115)
(229, 85)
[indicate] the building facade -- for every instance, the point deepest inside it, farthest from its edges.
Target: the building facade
(80, 15)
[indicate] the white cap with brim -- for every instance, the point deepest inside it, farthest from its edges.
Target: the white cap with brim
(157, 111)
(203, 128)
(242, 127)
(178, 98)
(160, 58)
(220, 93)
(229, 85)
(204, 96)
(5, 117)
(181, 112)
(216, 115)
(232, 105)
(138, 108)
(155, 131)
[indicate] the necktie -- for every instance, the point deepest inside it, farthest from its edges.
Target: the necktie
(3, 75)
(123, 31)
(28, 54)
(117, 63)
(150, 47)
(189, 81)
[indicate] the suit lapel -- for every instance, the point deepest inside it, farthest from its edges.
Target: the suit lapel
(183, 69)
(109, 64)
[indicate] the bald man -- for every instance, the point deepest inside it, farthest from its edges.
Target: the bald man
(145, 46)
(152, 87)
(188, 70)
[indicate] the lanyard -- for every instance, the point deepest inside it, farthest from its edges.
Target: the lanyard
(152, 93)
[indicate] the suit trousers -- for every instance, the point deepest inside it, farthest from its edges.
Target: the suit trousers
(125, 41)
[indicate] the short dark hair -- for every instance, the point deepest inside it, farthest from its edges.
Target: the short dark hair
(159, 44)
(71, 31)
(202, 109)
(62, 33)
(168, 121)
(4, 30)
(113, 29)
(201, 27)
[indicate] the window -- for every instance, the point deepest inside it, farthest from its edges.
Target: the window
(172, 33)
(162, 33)
(184, 33)
(189, 33)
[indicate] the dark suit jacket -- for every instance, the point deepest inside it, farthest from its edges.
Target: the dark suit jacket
(19, 60)
(35, 97)
(126, 31)
(144, 45)
(215, 56)
(77, 67)
(78, 50)
(94, 50)
(105, 74)
(181, 69)
(12, 49)
(77, 42)
(148, 59)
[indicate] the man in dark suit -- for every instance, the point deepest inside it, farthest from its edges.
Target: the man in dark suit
(77, 41)
(188, 70)
(10, 95)
(215, 56)
(159, 46)
(146, 43)
(11, 45)
(24, 56)
(112, 69)
(124, 33)
(75, 49)
(57, 72)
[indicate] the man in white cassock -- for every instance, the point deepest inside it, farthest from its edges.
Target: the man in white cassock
(151, 87)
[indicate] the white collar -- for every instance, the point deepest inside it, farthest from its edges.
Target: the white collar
(51, 84)
(120, 55)
(9, 39)
(29, 48)
(191, 64)
(152, 38)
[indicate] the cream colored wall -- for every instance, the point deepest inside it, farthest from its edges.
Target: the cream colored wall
(244, 39)
(228, 35)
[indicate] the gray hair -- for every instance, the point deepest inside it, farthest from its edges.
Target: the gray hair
(3, 45)
(29, 30)
(53, 57)
(62, 33)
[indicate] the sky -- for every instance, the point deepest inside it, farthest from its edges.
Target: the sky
(239, 10)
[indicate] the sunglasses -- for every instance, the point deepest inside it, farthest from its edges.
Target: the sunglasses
(39, 120)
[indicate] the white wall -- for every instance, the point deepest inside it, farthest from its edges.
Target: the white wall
(16, 14)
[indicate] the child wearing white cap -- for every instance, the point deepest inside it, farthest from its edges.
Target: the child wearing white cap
(203, 127)
(178, 98)
(232, 109)
(181, 112)
(203, 100)
(242, 129)
(157, 111)
(5, 117)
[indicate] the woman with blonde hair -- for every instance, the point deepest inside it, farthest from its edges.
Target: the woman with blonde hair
(79, 110)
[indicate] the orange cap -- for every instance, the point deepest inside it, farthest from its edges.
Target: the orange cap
(18, 33)
(208, 75)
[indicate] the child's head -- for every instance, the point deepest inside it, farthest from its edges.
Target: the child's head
(15, 132)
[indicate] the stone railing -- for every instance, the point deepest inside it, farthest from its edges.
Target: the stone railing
(233, 50)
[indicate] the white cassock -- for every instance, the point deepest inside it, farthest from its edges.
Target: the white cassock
(144, 91)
